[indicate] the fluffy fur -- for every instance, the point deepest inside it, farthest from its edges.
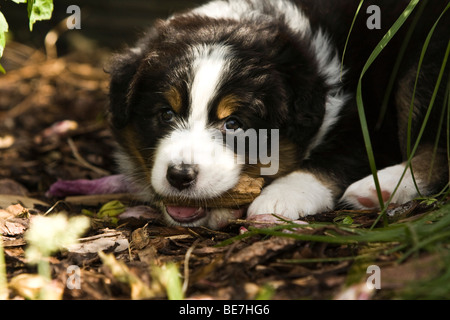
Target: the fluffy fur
(230, 66)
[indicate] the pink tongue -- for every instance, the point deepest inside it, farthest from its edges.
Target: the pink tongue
(185, 214)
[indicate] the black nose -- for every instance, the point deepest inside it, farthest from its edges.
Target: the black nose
(182, 176)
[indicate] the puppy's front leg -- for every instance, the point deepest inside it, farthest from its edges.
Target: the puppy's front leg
(296, 195)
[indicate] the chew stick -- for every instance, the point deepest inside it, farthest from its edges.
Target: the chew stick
(241, 195)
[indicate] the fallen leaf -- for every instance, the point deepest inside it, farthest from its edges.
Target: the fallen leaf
(102, 242)
(261, 251)
(13, 227)
(140, 238)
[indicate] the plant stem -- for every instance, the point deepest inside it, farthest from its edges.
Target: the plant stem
(3, 282)
(44, 272)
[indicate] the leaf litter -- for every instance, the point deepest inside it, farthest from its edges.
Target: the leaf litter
(53, 128)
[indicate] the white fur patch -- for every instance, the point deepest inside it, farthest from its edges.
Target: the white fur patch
(209, 65)
(330, 68)
(223, 9)
(296, 195)
(249, 10)
(362, 194)
(218, 170)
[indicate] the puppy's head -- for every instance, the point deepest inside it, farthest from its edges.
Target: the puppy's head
(190, 87)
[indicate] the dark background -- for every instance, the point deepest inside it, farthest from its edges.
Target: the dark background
(107, 23)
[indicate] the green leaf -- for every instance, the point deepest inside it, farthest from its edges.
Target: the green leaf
(111, 209)
(3, 30)
(87, 212)
(20, 1)
(39, 10)
(347, 220)
(168, 276)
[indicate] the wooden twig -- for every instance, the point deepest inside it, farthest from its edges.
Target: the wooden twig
(83, 162)
(97, 199)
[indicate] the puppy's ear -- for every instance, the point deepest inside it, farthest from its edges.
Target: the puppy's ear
(305, 87)
(123, 68)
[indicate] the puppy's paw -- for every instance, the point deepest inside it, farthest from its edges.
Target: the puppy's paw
(363, 195)
(297, 195)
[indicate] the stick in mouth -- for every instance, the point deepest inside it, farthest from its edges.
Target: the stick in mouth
(242, 194)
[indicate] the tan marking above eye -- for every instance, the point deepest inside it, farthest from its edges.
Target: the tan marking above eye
(173, 96)
(227, 106)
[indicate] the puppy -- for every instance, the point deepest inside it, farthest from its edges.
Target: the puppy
(269, 73)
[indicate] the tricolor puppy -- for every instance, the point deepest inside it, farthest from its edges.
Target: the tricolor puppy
(273, 68)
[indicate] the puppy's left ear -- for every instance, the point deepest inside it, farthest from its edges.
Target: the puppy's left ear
(123, 67)
(305, 87)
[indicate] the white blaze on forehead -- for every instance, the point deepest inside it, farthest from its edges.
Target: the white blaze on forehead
(209, 65)
(193, 142)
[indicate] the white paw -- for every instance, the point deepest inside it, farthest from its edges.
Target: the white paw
(363, 195)
(297, 195)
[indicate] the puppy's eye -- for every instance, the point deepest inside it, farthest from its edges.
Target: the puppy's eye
(167, 115)
(232, 124)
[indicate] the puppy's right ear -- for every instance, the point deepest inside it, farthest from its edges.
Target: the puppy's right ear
(123, 68)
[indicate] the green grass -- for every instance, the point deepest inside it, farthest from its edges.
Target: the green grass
(3, 282)
(359, 94)
(400, 241)
(410, 236)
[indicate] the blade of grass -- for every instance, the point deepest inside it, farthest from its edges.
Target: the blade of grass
(398, 62)
(410, 153)
(348, 36)
(359, 100)
(419, 67)
(431, 105)
(365, 256)
(411, 109)
(439, 132)
(429, 229)
(431, 240)
(448, 127)
(3, 283)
